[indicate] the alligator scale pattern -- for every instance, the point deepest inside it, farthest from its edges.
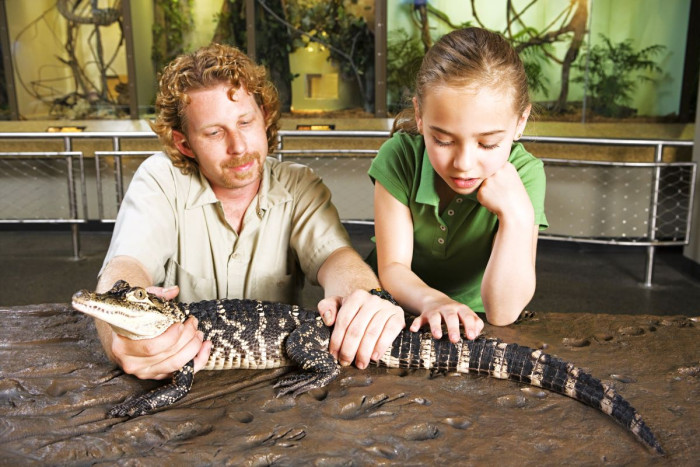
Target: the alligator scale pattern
(258, 335)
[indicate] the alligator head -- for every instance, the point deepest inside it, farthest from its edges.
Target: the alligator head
(131, 311)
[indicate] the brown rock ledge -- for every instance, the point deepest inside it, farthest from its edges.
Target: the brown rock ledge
(56, 386)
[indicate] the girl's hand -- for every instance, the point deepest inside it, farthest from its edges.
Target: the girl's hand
(504, 194)
(453, 313)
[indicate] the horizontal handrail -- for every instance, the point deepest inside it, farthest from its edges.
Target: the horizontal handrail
(352, 133)
(73, 220)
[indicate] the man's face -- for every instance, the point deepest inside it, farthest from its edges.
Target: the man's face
(227, 137)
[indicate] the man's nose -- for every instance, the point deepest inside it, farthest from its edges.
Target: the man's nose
(235, 143)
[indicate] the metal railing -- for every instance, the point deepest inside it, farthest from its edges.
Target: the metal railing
(21, 202)
(320, 157)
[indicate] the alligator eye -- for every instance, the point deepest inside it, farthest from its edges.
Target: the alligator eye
(140, 294)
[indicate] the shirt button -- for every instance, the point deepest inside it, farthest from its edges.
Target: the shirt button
(443, 228)
(450, 212)
(441, 241)
(459, 200)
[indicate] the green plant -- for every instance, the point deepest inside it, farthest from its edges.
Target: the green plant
(404, 56)
(347, 37)
(272, 40)
(173, 21)
(610, 73)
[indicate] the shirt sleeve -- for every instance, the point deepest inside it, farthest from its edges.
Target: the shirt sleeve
(395, 166)
(316, 228)
(534, 179)
(146, 222)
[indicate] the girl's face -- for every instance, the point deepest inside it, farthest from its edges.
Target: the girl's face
(468, 133)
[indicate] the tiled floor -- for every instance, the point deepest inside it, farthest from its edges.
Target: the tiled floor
(37, 267)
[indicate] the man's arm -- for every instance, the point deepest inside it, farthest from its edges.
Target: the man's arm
(153, 358)
(365, 325)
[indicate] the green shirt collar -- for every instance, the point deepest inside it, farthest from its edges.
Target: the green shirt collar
(426, 193)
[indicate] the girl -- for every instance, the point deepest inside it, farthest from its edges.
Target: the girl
(457, 202)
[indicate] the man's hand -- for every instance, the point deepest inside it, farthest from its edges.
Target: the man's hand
(365, 325)
(159, 357)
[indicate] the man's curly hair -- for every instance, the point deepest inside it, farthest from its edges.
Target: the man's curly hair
(206, 67)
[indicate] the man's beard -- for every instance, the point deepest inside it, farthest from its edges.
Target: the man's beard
(246, 158)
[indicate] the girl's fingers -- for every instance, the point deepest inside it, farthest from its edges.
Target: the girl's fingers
(435, 321)
(452, 324)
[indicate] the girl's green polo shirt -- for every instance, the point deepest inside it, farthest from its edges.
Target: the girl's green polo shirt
(450, 251)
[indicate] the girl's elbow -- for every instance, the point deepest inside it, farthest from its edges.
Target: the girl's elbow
(503, 316)
(501, 320)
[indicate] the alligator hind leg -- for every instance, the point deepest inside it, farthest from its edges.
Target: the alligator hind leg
(159, 397)
(307, 346)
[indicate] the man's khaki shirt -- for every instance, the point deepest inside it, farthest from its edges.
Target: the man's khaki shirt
(175, 226)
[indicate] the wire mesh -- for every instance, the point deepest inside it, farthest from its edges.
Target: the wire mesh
(646, 203)
(29, 191)
(346, 177)
(114, 172)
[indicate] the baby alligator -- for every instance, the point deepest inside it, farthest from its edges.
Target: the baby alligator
(256, 335)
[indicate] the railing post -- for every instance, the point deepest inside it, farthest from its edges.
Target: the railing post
(280, 146)
(98, 184)
(653, 210)
(118, 178)
(73, 208)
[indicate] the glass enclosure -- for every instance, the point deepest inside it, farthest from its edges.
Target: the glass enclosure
(587, 60)
(68, 58)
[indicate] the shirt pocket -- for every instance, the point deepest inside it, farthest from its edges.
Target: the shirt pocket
(277, 287)
(193, 288)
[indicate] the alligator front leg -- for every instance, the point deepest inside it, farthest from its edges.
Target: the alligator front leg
(307, 346)
(159, 397)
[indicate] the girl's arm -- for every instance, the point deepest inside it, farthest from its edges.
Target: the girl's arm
(509, 280)
(393, 227)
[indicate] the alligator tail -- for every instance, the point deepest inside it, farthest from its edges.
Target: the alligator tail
(518, 363)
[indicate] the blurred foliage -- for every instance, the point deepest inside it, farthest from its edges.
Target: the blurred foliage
(273, 40)
(173, 20)
(347, 37)
(610, 73)
(404, 57)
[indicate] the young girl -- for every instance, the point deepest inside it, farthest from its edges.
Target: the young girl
(458, 203)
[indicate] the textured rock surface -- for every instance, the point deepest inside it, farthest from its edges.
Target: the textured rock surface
(56, 387)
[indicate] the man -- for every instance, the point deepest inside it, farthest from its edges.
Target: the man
(216, 217)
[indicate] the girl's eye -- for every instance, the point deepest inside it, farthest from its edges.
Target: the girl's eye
(489, 146)
(441, 143)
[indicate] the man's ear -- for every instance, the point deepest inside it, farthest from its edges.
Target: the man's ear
(416, 111)
(180, 141)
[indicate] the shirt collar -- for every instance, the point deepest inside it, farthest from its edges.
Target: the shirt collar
(200, 192)
(426, 193)
(270, 193)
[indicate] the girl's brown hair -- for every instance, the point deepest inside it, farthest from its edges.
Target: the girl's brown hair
(468, 57)
(206, 67)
